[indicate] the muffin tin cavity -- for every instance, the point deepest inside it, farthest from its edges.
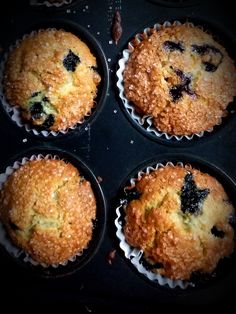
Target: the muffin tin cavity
(42, 113)
(82, 258)
(181, 83)
(192, 199)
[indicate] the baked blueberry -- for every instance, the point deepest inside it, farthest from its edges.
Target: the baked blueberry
(71, 61)
(192, 197)
(173, 46)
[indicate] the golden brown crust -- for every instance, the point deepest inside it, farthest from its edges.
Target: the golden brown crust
(36, 65)
(151, 72)
(181, 242)
(48, 208)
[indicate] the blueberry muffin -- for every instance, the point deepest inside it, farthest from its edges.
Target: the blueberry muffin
(48, 210)
(180, 219)
(52, 76)
(182, 78)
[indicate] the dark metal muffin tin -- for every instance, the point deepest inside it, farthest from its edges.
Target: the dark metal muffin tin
(112, 147)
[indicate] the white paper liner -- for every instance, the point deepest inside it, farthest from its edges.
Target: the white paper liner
(14, 112)
(50, 4)
(4, 239)
(129, 107)
(134, 254)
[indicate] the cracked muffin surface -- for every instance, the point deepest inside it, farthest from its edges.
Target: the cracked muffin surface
(180, 218)
(182, 78)
(52, 76)
(48, 210)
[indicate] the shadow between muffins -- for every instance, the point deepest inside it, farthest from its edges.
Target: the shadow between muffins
(102, 69)
(98, 225)
(226, 266)
(221, 35)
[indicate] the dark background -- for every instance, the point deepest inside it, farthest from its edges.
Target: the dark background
(112, 148)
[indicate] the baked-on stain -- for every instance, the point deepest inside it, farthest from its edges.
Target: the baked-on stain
(116, 30)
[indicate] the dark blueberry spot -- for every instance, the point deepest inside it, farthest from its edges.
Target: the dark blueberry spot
(70, 61)
(36, 110)
(148, 265)
(132, 194)
(192, 197)
(213, 54)
(35, 94)
(13, 226)
(232, 220)
(82, 178)
(95, 69)
(45, 99)
(176, 92)
(203, 49)
(209, 67)
(172, 46)
(95, 223)
(217, 233)
(49, 121)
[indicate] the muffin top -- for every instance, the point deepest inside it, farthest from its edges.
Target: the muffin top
(52, 76)
(48, 209)
(181, 77)
(181, 221)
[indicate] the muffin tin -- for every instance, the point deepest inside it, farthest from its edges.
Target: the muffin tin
(112, 147)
